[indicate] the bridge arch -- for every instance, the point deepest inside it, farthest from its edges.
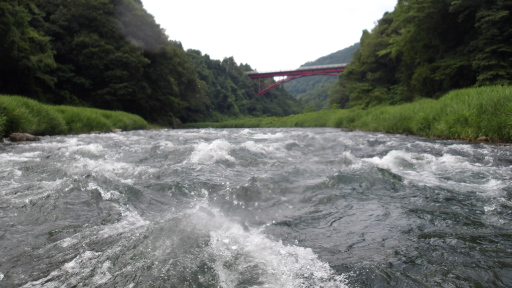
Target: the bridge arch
(332, 70)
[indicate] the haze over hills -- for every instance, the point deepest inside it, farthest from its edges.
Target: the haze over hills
(314, 90)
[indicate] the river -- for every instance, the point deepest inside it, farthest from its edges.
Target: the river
(255, 208)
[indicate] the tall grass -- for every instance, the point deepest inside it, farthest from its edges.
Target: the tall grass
(467, 113)
(20, 114)
(3, 120)
(85, 120)
(27, 115)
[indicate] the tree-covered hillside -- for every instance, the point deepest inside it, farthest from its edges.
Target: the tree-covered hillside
(111, 54)
(425, 48)
(313, 91)
(231, 93)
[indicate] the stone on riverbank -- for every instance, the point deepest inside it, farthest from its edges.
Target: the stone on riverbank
(176, 123)
(21, 137)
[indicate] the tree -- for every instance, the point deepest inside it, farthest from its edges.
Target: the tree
(425, 48)
(111, 54)
(26, 55)
(492, 46)
(232, 93)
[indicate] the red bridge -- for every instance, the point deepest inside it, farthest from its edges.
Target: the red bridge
(333, 70)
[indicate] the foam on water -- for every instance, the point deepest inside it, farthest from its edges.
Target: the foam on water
(105, 195)
(246, 132)
(91, 268)
(262, 147)
(449, 171)
(213, 152)
(73, 273)
(268, 136)
(247, 256)
(115, 170)
(347, 159)
(253, 208)
(10, 157)
(94, 149)
(31, 193)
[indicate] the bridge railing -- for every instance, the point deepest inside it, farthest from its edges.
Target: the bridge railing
(306, 68)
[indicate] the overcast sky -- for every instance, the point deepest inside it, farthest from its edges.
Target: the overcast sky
(267, 34)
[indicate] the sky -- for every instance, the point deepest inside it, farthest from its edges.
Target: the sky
(267, 34)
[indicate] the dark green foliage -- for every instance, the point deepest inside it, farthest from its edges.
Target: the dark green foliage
(370, 77)
(227, 92)
(26, 56)
(319, 93)
(491, 49)
(427, 47)
(111, 54)
(315, 89)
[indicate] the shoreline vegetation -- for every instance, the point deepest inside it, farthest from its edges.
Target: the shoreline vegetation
(483, 114)
(23, 115)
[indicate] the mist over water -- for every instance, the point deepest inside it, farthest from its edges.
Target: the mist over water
(255, 208)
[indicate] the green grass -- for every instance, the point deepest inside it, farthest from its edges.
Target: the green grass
(20, 114)
(84, 120)
(27, 115)
(461, 114)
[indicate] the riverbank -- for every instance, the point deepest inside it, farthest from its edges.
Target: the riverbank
(20, 114)
(483, 113)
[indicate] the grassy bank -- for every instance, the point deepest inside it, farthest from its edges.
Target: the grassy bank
(19, 114)
(461, 114)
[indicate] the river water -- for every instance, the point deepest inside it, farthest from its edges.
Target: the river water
(254, 208)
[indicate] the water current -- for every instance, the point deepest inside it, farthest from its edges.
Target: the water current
(255, 208)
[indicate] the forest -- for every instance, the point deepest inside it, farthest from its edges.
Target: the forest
(425, 48)
(112, 55)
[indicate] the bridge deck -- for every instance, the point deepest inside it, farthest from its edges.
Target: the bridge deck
(292, 72)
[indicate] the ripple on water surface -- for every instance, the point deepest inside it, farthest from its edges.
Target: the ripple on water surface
(254, 208)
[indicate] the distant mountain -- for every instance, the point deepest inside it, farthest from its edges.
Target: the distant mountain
(314, 89)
